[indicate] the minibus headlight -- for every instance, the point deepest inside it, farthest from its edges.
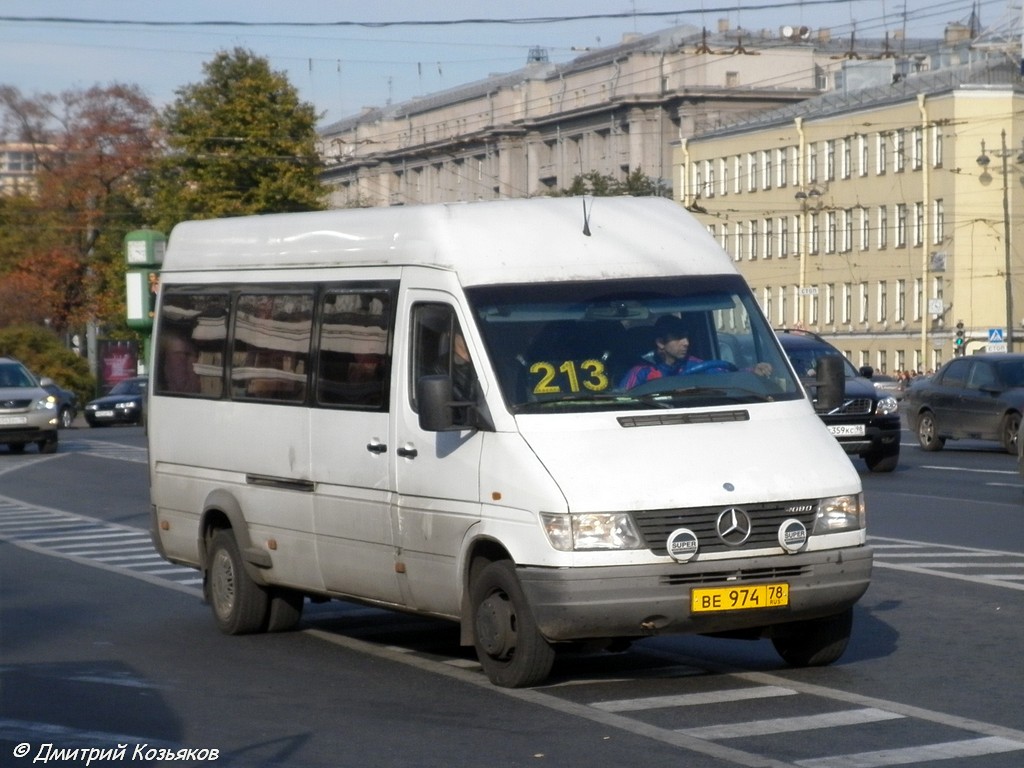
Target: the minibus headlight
(591, 531)
(839, 513)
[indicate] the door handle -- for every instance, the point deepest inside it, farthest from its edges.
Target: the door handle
(376, 447)
(408, 453)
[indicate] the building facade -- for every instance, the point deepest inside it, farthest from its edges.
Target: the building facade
(881, 218)
(612, 111)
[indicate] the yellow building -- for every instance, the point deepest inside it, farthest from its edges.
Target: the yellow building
(881, 217)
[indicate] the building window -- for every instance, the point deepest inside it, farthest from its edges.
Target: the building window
(738, 240)
(938, 222)
(862, 152)
(883, 301)
(794, 164)
(812, 163)
(864, 302)
(766, 301)
(780, 168)
(752, 239)
(723, 173)
(709, 173)
(937, 146)
(766, 169)
(847, 240)
(815, 233)
(830, 160)
(917, 149)
(865, 228)
(847, 303)
(883, 227)
(899, 151)
(737, 174)
(751, 172)
(830, 232)
(901, 301)
(782, 305)
(901, 225)
(918, 299)
(830, 304)
(918, 225)
(881, 152)
(769, 239)
(783, 237)
(846, 168)
(798, 235)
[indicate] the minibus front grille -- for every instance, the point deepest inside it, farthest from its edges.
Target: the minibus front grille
(656, 524)
(684, 578)
(673, 419)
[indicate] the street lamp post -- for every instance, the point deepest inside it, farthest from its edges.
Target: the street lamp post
(983, 160)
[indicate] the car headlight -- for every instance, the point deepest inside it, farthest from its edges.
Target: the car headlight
(128, 406)
(840, 513)
(48, 403)
(614, 530)
(887, 405)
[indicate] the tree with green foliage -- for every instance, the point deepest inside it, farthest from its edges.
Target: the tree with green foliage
(636, 184)
(44, 354)
(240, 142)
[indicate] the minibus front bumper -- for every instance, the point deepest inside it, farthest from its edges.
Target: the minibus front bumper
(642, 600)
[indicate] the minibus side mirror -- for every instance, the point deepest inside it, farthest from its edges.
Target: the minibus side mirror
(831, 380)
(437, 408)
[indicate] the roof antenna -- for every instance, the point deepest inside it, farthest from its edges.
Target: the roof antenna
(586, 218)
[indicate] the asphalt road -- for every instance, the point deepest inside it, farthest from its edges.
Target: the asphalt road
(104, 645)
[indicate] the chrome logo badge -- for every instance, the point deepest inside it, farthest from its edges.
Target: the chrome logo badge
(734, 526)
(792, 535)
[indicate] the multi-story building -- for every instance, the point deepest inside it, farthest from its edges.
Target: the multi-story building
(611, 111)
(882, 217)
(17, 168)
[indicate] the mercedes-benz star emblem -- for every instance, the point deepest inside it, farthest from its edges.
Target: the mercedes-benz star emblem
(733, 526)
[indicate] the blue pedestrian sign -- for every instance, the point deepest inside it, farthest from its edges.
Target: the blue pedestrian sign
(995, 336)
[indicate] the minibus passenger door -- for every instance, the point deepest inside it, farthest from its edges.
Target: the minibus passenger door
(436, 473)
(350, 444)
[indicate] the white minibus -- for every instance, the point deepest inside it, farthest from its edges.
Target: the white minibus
(559, 422)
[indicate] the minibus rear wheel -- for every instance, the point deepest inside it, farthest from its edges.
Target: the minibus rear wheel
(239, 604)
(815, 642)
(511, 650)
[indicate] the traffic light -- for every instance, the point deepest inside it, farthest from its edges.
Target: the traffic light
(960, 339)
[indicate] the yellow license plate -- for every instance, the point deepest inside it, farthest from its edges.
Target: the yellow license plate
(706, 600)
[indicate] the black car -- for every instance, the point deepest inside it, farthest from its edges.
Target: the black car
(124, 404)
(867, 424)
(67, 401)
(979, 397)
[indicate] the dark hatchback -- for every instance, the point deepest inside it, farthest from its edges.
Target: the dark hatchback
(979, 397)
(124, 404)
(867, 423)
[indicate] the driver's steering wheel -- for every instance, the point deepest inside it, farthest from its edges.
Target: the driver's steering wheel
(711, 365)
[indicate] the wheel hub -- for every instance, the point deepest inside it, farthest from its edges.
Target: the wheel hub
(495, 626)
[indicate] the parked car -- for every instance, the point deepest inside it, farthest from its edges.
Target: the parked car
(979, 397)
(124, 404)
(867, 424)
(67, 401)
(28, 413)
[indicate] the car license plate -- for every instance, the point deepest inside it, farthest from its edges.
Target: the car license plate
(846, 430)
(706, 600)
(13, 419)
(104, 414)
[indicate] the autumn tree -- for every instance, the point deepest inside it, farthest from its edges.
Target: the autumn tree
(240, 142)
(636, 184)
(62, 238)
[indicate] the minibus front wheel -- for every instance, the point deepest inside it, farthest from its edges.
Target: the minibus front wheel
(239, 604)
(511, 650)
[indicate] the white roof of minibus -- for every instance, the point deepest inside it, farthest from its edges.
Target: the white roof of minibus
(506, 241)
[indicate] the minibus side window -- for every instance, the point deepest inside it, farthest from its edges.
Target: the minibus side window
(439, 347)
(271, 346)
(190, 348)
(354, 362)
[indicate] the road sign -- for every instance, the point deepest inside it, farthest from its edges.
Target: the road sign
(995, 336)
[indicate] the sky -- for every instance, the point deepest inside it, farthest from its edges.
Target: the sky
(344, 55)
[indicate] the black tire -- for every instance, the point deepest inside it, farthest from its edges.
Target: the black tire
(511, 650)
(67, 418)
(883, 461)
(928, 433)
(240, 605)
(814, 643)
(16, 447)
(285, 609)
(49, 445)
(1008, 432)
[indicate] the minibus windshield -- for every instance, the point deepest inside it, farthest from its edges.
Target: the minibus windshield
(667, 342)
